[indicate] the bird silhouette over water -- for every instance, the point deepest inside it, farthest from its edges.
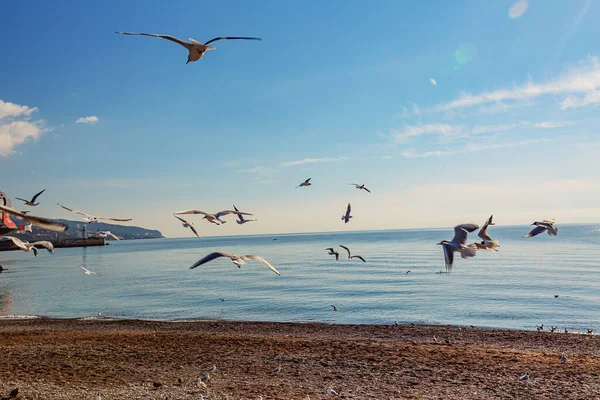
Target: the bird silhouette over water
(546, 225)
(350, 255)
(459, 244)
(333, 252)
(346, 217)
(487, 242)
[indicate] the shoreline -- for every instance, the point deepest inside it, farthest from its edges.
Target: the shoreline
(74, 358)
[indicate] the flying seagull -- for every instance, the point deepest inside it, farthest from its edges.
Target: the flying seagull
(487, 242)
(37, 221)
(459, 243)
(88, 272)
(235, 258)
(334, 307)
(92, 218)
(305, 183)
(356, 185)
(346, 217)
(350, 256)
(214, 218)
(333, 252)
(31, 203)
(187, 224)
(195, 48)
(106, 234)
(241, 220)
(545, 225)
(26, 246)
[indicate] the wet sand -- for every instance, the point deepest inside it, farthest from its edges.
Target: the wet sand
(75, 359)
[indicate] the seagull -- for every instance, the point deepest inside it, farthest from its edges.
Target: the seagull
(540, 327)
(31, 203)
(458, 243)
(214, 218)
(563, 358)
(305, 183)
(356, 185)
(241, 220)
(37, 221)
(545, 225)
(91, 218)
(556, 296)
(407, 272)
(334, 307)
(332, 252)
(524, 377)
(195, 48)
(204, 378)
(88, 272)
(552, 329)
(26, 246)
(236, 259)
(566, 330)
(346, 217)
(212, 369)
(222, 298)
(97, 397)
(331, 392)
(487, 242)
(105, 234)
(277, 370)
(590, 331)
(350, 256)
(187, 224)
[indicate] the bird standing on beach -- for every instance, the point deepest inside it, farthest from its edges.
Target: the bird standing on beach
(459, 244)
(212, 369)
(213, 218)
(346, 217)
(196, 49)
(332, 252)
(331, 392)
(563, 358)
(277, 369)
(187, 224)
(204, 378)
(88, 272)
(236, 259)
(241, 220)
(546, 225)
(356, 185)
(92, 218)
(26, 246)
(305, 183)
(31, 203)
(487, 242)
(350, 255)
(524, 377)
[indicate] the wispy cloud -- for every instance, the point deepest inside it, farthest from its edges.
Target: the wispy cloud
(311, 161)
(92, 119)
(433, 81)
(551, 124)
(478, 129)
(425, 129)
(471, 148)
(16, 128)
(581, 80)
(257, 170)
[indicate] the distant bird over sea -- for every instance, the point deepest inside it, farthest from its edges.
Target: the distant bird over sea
(350, 255)
(524, 377)
(331, 392)
(241, 220)
(487, 242)
(92, 218)
(305, 183)
(26, 246)
(213, 218)
(356, 185)
(236, 259)
(346, 217)
(196, 49)
(334, 307)
(187, 224)
(333, 252)
(459, 244)
(545, 225)
(31, 203)
(88, 272)
(37, 221)
(106, 234)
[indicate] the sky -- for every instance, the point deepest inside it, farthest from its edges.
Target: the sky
(447, 111)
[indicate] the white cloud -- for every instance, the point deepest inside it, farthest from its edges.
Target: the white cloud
(478, 129)
(471, 148)
(518, 9)
(16, 128)
(584, 79)
(551, 124)
(433, 82)
(426, 129)
(310, 161)
(92, 119)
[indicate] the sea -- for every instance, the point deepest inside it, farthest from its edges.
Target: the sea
(514, 288)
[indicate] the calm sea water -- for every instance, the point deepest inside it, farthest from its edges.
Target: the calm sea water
(151, 279)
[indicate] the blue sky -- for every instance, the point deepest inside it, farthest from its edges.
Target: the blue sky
(339, 91)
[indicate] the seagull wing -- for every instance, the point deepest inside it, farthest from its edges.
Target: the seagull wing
(536, 231)
(308, 180)
(115, 219)
(347, 249)
(211, 257)
(549, 221)
(191, 212)
(461, 232)
(348, 209)
(112, 235)
(227, 212)
(75, 211)
(231, 38)
(168, 37)
(37, 195)
(45, 244)
(37, 221)
(262, 261)
(189, 225)
(359, 257)
(552, 230)
(18, 242)
(337, 255)
(448, 257)
(18, 198)
(367, 189)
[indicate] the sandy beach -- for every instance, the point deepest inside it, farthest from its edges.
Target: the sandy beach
(75, 359)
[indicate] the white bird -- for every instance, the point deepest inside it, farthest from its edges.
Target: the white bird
(487, 242)
(305, 183)
(277, 370)
(331, 392)
(204, 378)
(187, 224)
(31, 203)
(356, 185)
(195, 48)
(346, 217)
(92, 218)
(333, 252)
(236, 259)
(214, 218)
(212, 369)
(433, 81)
(97, 397)
(105, 234)
(88, 272)
(26, 246)
(524, 377)
(350, 255)
(563, 358)
(545, 225)
(241, 220)
(307, 397)
(37, 221)
(459, 243)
